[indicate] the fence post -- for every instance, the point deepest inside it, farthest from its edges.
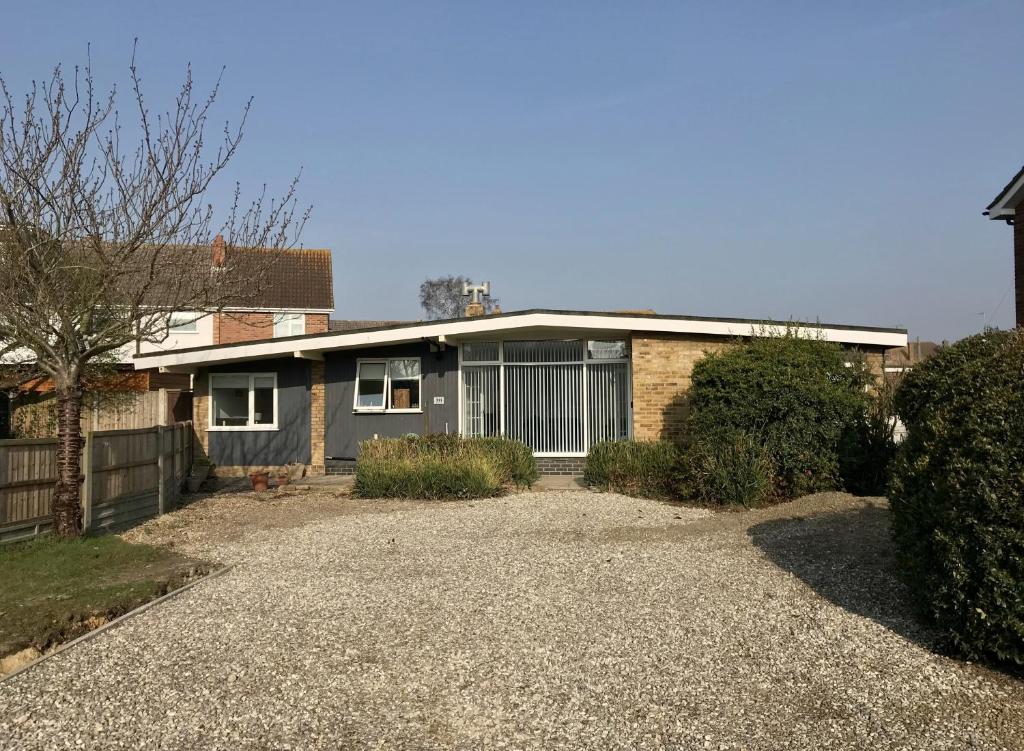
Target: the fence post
(161, 481)
(87, 452)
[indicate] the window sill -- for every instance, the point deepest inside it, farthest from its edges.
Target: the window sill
(387, 411)
(241, 428)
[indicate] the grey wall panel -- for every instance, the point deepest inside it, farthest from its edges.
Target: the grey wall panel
(345, 428)
(290, 442)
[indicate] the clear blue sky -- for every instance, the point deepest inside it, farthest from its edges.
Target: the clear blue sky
(808, 160)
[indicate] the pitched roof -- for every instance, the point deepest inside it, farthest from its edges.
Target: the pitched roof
(300, 278)
(1001, 205)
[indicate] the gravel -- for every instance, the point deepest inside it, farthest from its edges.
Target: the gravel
(540, 620)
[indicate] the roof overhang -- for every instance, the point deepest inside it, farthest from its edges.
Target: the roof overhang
(1005, 204)
(523, 325)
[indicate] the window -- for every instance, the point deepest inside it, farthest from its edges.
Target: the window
(183, 323)
(391, 385)
(243, 401)
(289, 324)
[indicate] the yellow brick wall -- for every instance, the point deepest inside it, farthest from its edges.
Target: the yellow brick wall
(317, 408)
(201, 414)
(662, 364)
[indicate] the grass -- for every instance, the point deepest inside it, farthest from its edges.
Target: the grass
(52, 589)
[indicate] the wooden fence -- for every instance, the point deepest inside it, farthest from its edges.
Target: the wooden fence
(128, 476)
(35, 416)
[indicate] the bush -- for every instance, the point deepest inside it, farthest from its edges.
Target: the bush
(957, 493)
(442, 466)
(798, 395)
(641, 468)
(732, 469)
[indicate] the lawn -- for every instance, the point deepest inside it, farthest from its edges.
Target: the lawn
(54, 590)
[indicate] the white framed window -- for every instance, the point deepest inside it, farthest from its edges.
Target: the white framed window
(388, 385)
(289, 324)
(243, 401)
(183, 323)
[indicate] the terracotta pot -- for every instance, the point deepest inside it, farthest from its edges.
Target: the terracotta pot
(260, 480)
(282, 480)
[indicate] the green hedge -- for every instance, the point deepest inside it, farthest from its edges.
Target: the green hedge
(731, 469)
(797, 396)
(442, 466)
(640, 468)
(957, 493)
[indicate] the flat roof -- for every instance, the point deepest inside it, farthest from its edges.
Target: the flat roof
(534, 322)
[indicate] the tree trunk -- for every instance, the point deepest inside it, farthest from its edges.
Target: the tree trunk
(67, 505)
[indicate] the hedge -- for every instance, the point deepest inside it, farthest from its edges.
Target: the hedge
(796, 396)
(442, 466)
(641, 468)
(957, 493)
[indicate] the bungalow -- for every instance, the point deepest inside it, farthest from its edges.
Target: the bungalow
(558, 380)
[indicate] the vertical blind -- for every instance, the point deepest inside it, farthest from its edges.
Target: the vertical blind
(560, 397)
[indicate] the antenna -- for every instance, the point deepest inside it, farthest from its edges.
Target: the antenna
(476, 290)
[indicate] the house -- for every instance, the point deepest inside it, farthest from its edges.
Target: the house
(296, 298)
(1004, 207)
(558, 380)
(901, 360)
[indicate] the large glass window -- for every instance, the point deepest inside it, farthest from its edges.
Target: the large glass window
(243, 401)
(557, 396)
(289, 324)
(391, 385)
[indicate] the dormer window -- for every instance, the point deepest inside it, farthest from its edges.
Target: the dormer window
(289, 324)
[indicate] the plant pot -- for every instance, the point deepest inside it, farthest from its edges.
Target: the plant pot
(282, 480)
(197, 477)
(260, 481)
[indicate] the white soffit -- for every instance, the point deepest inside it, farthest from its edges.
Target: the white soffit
(551, 322)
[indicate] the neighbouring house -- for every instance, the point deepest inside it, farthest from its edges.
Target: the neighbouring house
(901, 360)
(1004, 207)
(558, 380)
(295, 299)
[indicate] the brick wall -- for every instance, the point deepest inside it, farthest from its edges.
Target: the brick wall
(316, 323)
(242, 327)
(317, 417)
(662, 364)
(201, 413)
(1018, 264)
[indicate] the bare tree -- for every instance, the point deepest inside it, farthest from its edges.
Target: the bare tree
(104, 232)
(442, 298)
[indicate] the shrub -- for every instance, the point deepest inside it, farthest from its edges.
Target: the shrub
(732, 469)
(442, 466)
(957, 493)
(867, 448)
(641, 468)
(798, 394)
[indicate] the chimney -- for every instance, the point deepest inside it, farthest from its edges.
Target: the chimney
(475, 307)
(219, 252)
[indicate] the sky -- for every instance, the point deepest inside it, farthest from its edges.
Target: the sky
(804, 160)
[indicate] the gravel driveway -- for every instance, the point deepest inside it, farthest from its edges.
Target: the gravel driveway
(541, 620)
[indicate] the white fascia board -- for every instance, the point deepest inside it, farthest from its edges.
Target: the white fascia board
(509, 324)
(1005, 208)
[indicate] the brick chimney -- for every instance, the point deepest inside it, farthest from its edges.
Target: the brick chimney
(475, 292)
(219, 252)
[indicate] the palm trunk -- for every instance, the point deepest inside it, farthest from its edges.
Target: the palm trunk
(67, 506)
